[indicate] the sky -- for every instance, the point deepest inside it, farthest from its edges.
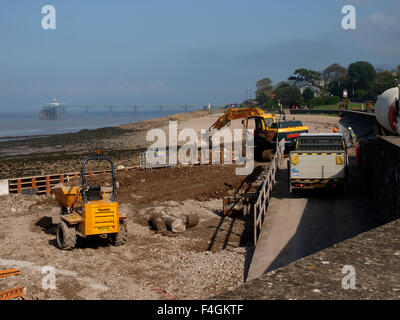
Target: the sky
(180, 51)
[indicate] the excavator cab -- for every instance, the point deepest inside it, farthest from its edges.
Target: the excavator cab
(259, 126)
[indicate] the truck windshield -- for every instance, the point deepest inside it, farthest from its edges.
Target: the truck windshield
(318, 143)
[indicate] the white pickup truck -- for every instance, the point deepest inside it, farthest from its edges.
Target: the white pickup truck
(318, 161)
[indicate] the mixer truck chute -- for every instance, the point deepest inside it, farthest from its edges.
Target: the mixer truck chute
(387, 110)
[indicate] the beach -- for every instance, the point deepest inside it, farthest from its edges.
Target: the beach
(60, 153)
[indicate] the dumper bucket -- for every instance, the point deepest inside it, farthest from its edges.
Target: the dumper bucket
(65, 195)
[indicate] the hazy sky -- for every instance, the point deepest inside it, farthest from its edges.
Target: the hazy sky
(170, 51)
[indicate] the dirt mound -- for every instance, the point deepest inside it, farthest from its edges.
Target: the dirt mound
(176, 183)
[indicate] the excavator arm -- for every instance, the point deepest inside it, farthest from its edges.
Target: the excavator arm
(288, 130)
(233, 114)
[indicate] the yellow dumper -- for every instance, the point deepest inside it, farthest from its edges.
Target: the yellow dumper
(87, 211)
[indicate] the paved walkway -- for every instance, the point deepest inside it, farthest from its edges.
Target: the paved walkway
(297, 226)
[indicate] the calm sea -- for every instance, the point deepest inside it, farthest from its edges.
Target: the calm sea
(14, 125)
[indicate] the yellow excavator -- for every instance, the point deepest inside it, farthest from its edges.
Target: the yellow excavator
(267, 129)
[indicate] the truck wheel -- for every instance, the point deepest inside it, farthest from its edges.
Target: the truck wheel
(121, 237)
(66, 236)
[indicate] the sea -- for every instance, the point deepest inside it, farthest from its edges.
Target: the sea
(20, 125)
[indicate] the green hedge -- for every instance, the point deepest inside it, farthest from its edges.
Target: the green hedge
(319, 101)
(332, 100)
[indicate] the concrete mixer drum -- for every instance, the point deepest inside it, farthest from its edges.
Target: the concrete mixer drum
(387, 110)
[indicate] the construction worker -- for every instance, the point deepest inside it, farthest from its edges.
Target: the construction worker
(352, 136)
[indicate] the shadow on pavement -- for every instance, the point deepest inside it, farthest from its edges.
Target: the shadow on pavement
(327, 219)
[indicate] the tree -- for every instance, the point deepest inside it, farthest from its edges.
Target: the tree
(337, 86)
(261, 98)
(362, 75)
(383, 81)
(308, 94)
(289, 95)
(306, 75)
(264, 85)
(281, 84)
(332, 73)
(360, 94)
(264, 88)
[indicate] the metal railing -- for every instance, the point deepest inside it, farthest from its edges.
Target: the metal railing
(260, 206)
(148, 159)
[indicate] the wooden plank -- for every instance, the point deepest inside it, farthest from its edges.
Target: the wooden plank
(48, 185)
(12, 293)
(9, 272)
(19, 186)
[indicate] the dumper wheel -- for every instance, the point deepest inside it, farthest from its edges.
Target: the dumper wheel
(121, 237)
(66, 236)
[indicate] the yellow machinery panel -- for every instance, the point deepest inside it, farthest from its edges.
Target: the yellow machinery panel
(99, 217)
(66, 196)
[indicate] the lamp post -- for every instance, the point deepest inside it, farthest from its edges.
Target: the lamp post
(345, 98)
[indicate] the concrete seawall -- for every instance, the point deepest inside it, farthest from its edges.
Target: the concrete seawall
(380, 163)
